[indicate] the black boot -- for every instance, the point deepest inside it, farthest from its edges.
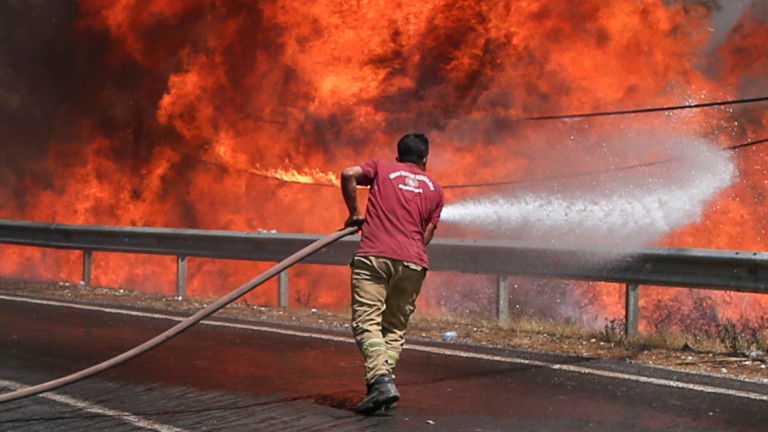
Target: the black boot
(382, 393)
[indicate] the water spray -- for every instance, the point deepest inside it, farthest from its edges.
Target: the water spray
(622, 213)
(183, 325)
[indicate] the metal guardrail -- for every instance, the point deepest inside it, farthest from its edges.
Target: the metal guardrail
(675, 267)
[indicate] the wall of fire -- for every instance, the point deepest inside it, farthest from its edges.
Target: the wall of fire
(238, 115)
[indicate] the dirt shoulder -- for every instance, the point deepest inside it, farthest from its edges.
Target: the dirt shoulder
(551, 337)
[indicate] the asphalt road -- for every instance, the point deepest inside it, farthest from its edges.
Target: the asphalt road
(252, 376)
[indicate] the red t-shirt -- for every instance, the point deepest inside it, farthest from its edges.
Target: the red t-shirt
(402, 201)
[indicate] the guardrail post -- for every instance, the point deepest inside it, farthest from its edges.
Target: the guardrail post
(87, 266)
(181, 276)
(633, 309)
(502, 299)
(282, 289)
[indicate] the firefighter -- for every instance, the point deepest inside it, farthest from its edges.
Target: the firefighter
(402, 213)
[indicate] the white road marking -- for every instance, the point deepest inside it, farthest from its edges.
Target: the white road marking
(97, 409)
(423, 348)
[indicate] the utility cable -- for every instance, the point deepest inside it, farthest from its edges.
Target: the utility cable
(648, 110)
(589, 173)
(183, 325)
(535, 118)
(506, 182)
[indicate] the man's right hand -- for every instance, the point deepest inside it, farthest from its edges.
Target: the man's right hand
(355, 221)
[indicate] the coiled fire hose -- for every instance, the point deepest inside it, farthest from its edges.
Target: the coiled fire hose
(183, 325)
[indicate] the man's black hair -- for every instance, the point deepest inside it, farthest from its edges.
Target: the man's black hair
(413, 148)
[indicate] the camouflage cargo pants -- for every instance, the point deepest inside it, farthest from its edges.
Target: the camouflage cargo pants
(384, 295)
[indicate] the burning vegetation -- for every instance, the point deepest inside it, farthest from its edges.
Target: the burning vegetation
(237, 115)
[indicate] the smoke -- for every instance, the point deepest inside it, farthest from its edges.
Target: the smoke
(32, 71)
(724, 18)
(624, 210)
(59, 91)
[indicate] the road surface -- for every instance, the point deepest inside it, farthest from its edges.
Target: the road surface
(234, 375)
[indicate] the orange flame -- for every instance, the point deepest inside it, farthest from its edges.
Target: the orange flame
(216, 115)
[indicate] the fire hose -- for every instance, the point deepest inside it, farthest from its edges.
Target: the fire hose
(183, 325)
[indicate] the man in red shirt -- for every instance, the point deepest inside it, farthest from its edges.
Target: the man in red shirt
(401, 216)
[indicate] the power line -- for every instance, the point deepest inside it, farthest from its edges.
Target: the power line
(619, 112)
(536, 118)
(647, 110)
(478, 185)
(589, 173)
(746, 144)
